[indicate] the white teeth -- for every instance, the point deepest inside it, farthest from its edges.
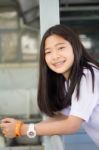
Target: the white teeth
(59, 63)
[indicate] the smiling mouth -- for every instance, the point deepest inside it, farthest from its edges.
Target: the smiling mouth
(59, 64)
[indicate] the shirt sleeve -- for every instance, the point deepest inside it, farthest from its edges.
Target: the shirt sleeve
(84, 106)
(66, 111)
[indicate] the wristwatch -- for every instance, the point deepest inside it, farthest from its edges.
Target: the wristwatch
(31, 132)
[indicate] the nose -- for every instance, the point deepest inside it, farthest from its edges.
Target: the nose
(55, 55)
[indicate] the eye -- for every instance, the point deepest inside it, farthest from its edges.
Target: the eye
(61, 48)
(47, 52)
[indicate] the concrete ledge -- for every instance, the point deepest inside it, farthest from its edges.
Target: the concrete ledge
(23, 148)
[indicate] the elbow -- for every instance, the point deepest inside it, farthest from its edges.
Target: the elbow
(74, 124)
(74, 128)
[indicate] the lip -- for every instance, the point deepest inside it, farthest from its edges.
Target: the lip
(59, 64)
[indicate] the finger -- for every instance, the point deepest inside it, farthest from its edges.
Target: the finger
(5, 135)
(4, 132)
(6, 120)
(2, 125)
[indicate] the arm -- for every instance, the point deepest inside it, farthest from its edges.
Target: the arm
(67, 125)
(57, 125)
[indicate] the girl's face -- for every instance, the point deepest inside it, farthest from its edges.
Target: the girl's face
(59, 55)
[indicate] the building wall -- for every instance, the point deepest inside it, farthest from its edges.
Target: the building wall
(18, 91)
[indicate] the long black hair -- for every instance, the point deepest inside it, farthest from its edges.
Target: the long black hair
(52, 94)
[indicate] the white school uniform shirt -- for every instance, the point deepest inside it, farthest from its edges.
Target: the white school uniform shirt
(87, 106)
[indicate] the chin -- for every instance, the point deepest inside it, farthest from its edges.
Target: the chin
(59, 72)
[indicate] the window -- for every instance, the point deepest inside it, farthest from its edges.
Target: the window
(18, 42)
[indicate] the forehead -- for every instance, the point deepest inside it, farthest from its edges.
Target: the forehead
(54, 40)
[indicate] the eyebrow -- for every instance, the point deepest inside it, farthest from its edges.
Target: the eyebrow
(55, 46)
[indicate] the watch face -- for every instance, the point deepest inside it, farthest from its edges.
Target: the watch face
(31, 133)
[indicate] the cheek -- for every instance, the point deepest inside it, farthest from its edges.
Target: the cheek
(71, 57)
(71, 54)
(47, 60)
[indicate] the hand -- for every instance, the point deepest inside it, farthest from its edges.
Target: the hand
(8, 127)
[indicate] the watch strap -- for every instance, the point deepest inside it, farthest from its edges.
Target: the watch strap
(31, 132)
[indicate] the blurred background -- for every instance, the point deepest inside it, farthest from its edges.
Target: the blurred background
(22, 24)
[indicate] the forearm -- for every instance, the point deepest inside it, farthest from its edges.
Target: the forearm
(55, 126)
(48, 120)
(52, 128)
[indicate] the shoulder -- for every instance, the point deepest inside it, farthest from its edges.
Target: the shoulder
(94, 68)
(89, 85)
(88, 98)
(88, 75)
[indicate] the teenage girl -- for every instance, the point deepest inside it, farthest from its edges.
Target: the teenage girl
(68, 89)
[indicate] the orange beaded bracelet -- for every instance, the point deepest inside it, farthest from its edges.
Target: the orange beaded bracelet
(18, 128)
